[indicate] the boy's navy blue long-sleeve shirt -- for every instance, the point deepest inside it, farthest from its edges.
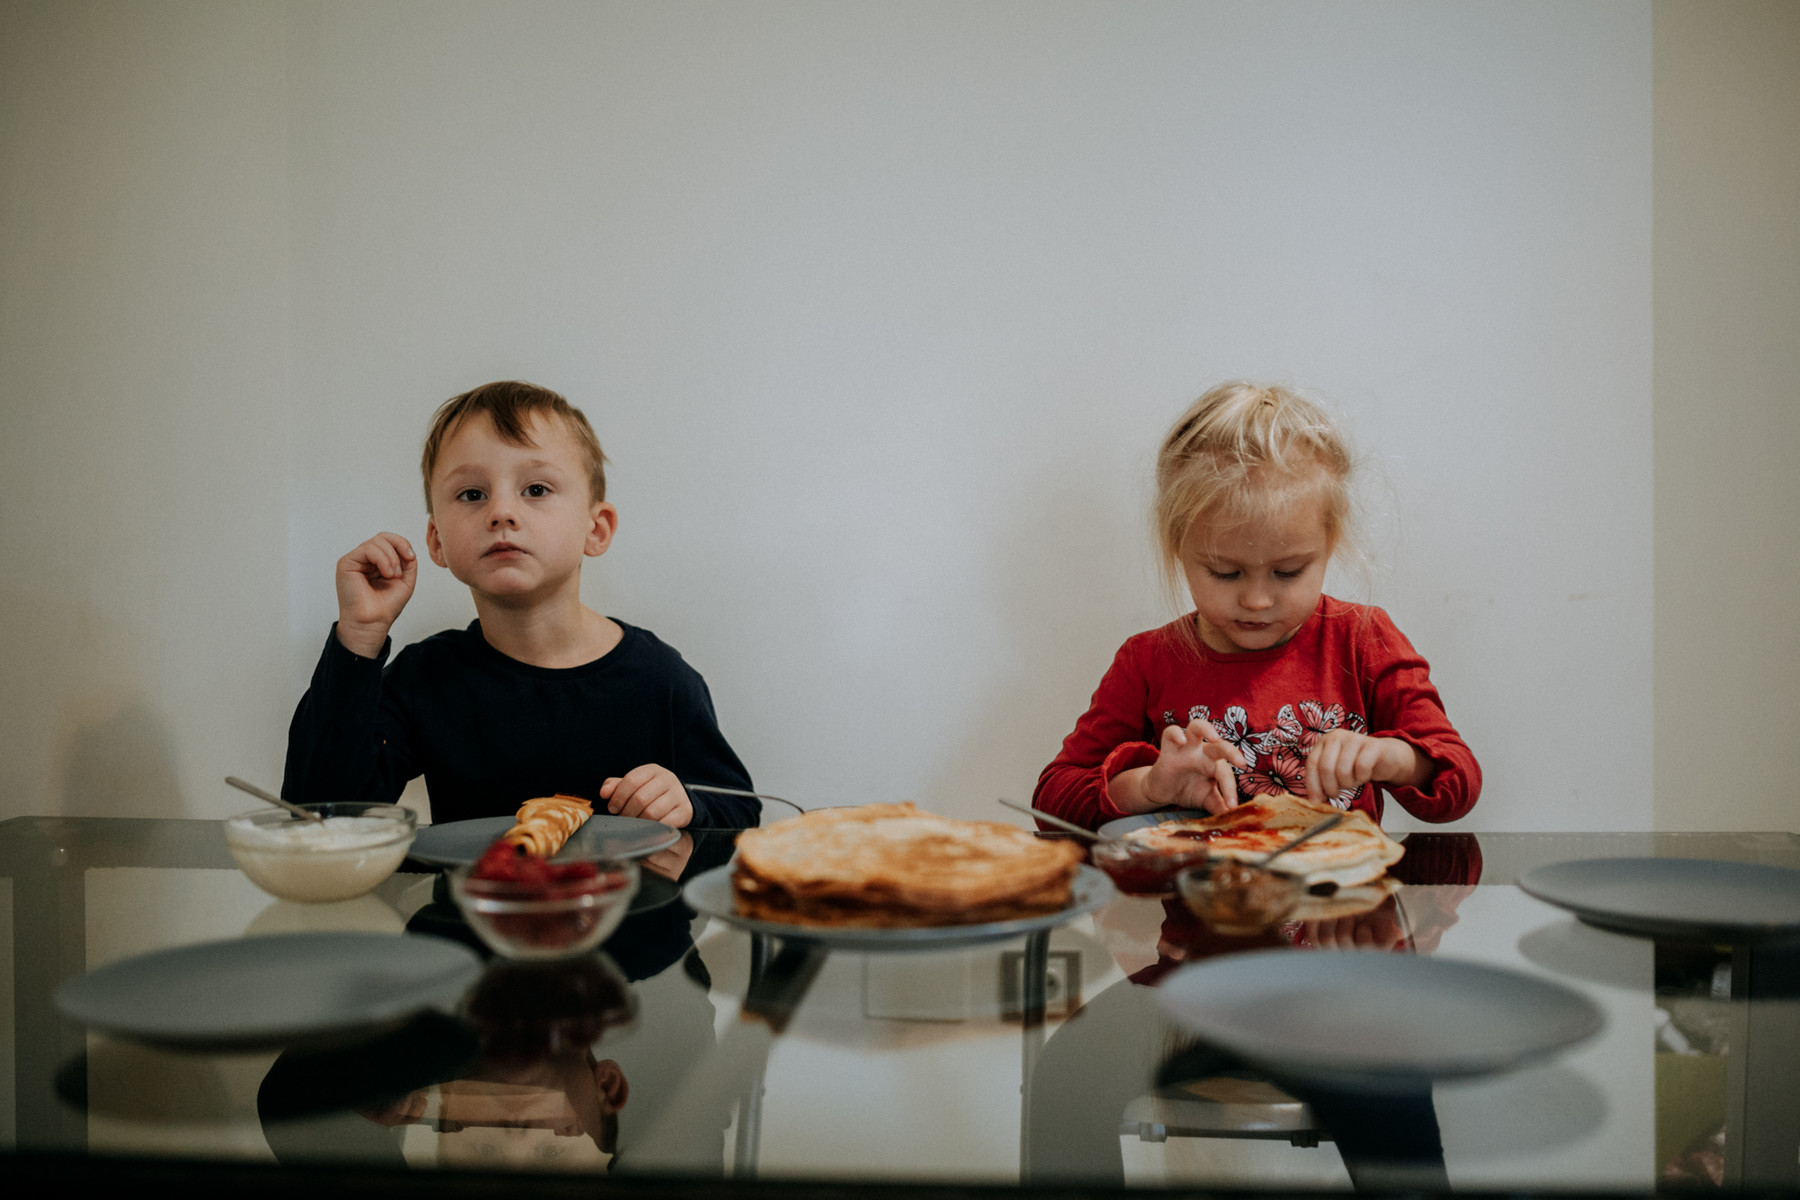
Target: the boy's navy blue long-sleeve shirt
(489, 732)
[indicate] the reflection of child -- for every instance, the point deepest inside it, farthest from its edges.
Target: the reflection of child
(1269, 685)
(541, 694)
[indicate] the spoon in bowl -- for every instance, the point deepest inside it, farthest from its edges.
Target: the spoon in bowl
(272, 798)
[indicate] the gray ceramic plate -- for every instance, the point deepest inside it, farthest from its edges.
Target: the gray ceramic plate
(1120, 826)
(263, 991)
(1368, 1020)
(710, 893)
(1685, 899)
(602, 835)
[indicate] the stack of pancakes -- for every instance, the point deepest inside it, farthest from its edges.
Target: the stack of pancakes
(892, 866)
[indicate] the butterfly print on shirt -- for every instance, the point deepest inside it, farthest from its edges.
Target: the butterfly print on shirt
(1275, 758)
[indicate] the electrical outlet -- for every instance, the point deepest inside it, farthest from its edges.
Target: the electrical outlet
(1062, 984)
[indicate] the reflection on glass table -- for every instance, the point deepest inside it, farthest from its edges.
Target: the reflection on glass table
(705, 1052)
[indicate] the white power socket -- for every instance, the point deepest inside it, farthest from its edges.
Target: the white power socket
(1062, 984)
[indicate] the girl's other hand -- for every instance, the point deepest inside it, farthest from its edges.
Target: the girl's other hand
(1343, 761)
(1194, 770)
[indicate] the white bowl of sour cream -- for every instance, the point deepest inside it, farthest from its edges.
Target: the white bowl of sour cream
(348, 853)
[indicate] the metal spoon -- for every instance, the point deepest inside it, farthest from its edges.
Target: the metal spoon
(1331, 822)
(1069, 826)
(272, 798)
(725, 791)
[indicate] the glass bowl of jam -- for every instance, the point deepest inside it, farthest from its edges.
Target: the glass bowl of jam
(1237, 898)
(1138, 869)
(526, 908)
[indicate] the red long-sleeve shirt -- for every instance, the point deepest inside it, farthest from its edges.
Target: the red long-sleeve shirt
(1346, 667)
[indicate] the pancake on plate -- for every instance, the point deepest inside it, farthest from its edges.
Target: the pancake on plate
(892, 866)
(1355, 852)
(544, 824)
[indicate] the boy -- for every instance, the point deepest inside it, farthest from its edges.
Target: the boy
(540, 694)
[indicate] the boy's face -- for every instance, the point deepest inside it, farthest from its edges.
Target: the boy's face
(514, 522)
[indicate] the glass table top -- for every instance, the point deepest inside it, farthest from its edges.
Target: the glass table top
(688, 1048)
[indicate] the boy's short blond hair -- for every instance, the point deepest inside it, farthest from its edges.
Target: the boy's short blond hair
(510, 403)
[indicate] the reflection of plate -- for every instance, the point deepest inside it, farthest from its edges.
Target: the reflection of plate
(601, 836)
(269, 990)
(710, 893)
(1689, 899)
(1369, 1020)
(1349, 901)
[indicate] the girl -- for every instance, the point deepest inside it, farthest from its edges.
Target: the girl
(1269, 685)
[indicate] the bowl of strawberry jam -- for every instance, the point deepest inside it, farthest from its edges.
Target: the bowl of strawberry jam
(527, 907)
(1140, 870)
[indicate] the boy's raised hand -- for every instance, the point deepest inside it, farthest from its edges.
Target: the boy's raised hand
(374, 582)
(651, 792)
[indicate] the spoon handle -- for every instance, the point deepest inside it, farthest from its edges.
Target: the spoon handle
(1331, 822)
(725, 791)
(272, 798)
(1068, 826)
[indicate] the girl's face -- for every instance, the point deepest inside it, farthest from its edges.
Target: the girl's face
(1255, 585)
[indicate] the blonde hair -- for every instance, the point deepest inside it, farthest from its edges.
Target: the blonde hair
(1244, 451)
(510, 403)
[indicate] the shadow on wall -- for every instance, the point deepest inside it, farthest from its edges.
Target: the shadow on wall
(1069, 595)
(119, 765)
(78, 735)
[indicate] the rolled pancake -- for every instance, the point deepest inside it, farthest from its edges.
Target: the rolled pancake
(544, 824)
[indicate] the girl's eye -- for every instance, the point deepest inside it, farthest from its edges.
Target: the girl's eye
(1294, 574)
(471, 494)
(1225, 576)
(537, 491)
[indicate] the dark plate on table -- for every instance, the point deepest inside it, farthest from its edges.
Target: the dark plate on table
(1120, 826)
(710, 894)
(1367, 1020)
(1681, 899)
(458, 843)
(264, 991)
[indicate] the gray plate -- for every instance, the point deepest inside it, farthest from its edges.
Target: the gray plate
(458, 843)
(264, 991)
(710, 893)
(1120, 826)
(1374, 1021)
(1686, 899)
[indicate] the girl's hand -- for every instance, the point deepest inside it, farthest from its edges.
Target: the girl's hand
(1343, 761)
(651, 792)
(374, 582)
(1194, 770)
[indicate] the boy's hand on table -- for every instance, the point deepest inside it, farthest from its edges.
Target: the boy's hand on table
(651, 792)
(1343, 761)
(1192, 770)
(374, 582)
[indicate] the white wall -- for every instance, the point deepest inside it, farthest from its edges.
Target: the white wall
(143, 405)
(879, 310)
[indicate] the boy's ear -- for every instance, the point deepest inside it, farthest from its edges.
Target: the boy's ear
(434, 545)
(600, 533)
